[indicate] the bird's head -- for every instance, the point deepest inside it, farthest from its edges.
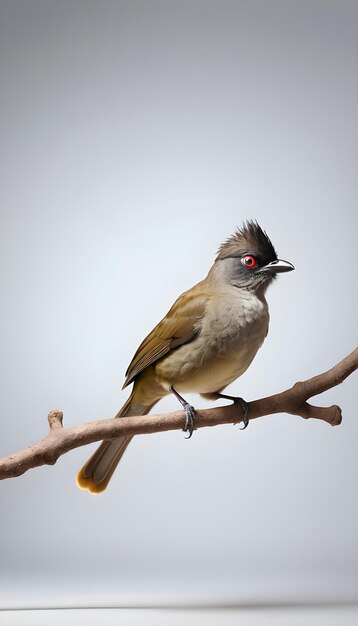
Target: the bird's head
(249, 259)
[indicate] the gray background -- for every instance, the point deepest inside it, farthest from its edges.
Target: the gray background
(135, 136)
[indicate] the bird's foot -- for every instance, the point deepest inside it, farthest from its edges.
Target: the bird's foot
(189, 419)
(243, 404)
(189, 414)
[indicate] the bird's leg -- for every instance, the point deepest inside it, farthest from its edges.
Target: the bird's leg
(243, 404)
(189, 413)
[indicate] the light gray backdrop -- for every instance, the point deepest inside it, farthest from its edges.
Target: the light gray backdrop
(135, 137)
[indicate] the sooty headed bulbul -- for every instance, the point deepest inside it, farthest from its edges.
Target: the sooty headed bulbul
(206, 340)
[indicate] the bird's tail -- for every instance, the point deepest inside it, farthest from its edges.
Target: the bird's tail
(97, 472)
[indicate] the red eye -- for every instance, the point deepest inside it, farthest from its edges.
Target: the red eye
(249, 261)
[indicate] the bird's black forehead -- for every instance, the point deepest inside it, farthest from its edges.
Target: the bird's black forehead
(250, 238)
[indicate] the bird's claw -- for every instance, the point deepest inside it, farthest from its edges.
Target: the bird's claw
(245, 411)
(243, 404)
(189, 419)
(189, 413)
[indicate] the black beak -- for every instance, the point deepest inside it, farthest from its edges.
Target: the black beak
(276, 267)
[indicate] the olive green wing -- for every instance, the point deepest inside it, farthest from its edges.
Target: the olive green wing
(180, 325)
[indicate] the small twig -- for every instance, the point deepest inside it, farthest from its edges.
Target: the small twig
(293, 401)
(55, 419)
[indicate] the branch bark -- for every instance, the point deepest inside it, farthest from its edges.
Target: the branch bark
(293, 401)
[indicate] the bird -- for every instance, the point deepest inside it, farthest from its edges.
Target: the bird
(208, 339)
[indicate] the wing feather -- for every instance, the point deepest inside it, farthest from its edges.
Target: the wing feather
(180, 325)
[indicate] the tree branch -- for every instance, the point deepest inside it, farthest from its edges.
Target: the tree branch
(293, 401)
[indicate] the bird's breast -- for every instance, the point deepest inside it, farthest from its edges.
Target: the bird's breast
(230, 333)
